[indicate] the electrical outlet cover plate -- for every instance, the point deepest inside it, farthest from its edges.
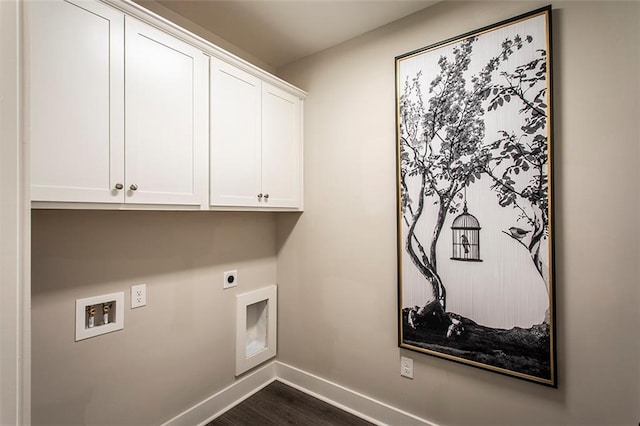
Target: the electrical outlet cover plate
(406, 367)
(138, 295)
(230, 279)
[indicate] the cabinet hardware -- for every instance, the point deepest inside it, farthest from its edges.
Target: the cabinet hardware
(260, 195)
(133, 187)
(119, 186)
(266, 196)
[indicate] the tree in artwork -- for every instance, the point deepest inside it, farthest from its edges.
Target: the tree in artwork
(442, 146)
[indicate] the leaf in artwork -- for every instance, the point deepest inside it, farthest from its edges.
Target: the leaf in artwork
(506, 201)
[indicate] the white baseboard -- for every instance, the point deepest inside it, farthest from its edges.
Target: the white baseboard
(365, 407)
(222, 401)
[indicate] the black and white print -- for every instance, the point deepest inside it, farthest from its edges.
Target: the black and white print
(475, 245)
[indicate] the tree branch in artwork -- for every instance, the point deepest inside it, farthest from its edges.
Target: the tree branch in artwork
(519, 164)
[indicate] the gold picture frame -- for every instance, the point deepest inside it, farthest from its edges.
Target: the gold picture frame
(474, 217)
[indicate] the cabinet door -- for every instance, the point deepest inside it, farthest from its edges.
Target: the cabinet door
(281, 148)
(75, 84)
(166, 118)
(235, 136)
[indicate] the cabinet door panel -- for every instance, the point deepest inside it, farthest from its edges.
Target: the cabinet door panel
(166, 141)
(281, 148)
(235, 136)
(75, 86)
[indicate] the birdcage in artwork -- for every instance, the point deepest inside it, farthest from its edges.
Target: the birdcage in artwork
(465, 230)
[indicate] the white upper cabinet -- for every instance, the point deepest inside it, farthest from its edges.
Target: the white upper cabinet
(125, 110)
(101, 131)
(75, 81)
(281, 148)
(166, 118)
(235, 136)
(256, 144)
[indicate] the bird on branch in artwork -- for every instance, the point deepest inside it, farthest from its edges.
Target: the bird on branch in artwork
(465, 243)
(518, 233)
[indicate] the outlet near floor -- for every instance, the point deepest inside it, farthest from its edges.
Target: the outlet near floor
(406, 367)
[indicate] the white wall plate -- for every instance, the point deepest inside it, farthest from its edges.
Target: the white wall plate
(115, 319)
(256, 328)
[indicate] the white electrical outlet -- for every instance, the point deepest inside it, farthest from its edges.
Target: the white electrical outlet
(138, 295)
(230, 279)
(406, 367)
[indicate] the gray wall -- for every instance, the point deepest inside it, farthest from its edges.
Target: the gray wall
(173, 353)
(337, 264)
(196, 29)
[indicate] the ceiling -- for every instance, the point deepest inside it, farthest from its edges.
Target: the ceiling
(282, 31)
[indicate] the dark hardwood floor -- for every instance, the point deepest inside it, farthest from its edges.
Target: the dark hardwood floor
(279, 404)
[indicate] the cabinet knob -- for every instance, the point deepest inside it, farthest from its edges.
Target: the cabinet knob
(260, 195)
(266, 196)
(119, 186)
(133, 187)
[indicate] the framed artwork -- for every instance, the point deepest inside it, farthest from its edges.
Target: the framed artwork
(474, 218)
